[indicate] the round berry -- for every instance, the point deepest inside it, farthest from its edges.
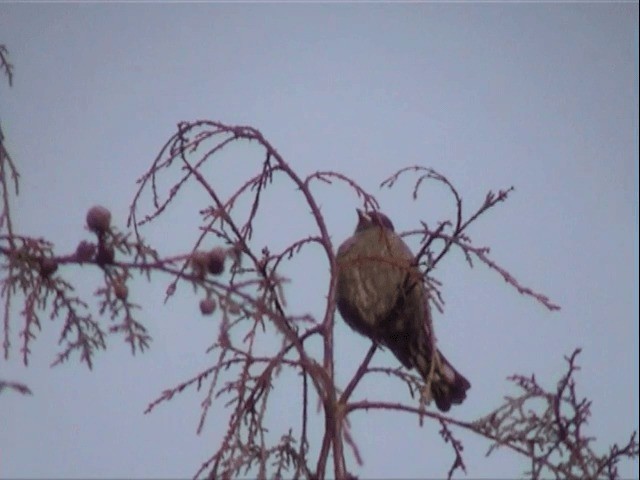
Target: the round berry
(207, 306)
(47, 266)
(199, 261)
(98, 219)
(85, 251)
(215, 264)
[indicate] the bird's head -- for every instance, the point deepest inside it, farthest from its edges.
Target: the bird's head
(371, 219)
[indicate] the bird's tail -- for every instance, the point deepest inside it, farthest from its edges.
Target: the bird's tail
(448, 386)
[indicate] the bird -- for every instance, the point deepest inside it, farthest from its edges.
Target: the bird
(380, 293)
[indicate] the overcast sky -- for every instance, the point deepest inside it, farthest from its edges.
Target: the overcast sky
(543, 97)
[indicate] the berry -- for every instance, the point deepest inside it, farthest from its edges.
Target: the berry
(199, 261)
(207, 306)
(215, 263)
(85, 251)
(98, 219)
(47, 266)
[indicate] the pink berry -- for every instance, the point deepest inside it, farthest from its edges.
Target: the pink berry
(98, 219)
(47, 266)
(85, 251)
(207, 306)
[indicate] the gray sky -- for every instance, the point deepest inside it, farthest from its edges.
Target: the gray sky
(540, 96)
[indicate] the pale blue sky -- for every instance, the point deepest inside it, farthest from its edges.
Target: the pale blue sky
(540, 96)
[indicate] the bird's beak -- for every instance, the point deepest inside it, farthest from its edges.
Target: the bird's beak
(364, 219)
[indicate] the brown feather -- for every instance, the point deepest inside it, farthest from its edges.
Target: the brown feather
(381, 294)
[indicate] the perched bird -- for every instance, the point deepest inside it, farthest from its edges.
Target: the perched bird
(381, 294)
